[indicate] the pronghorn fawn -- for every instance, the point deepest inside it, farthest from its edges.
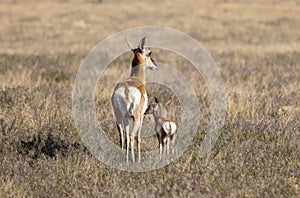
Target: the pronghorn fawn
(129, 99)
(165, 128)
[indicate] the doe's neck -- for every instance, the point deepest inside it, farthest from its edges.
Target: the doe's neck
(138, 68)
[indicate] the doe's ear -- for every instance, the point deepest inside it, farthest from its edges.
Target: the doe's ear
(128, 44)
(142, 43)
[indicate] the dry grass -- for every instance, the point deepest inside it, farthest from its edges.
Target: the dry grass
(256, 46)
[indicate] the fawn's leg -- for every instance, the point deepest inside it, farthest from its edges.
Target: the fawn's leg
(120, 128)
(173, 144)
(168, 145)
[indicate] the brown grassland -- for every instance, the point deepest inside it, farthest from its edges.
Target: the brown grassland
(256, 45)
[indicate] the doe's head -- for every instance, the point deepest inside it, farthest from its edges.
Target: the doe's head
(142, 55)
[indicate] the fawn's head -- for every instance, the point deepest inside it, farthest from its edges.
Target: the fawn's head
(157, 109)
(142, 55)
(152, 108)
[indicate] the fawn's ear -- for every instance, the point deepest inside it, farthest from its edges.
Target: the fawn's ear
(156, 100)
(148, 110)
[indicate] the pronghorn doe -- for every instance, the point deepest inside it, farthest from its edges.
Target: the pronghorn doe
(129, 99)
(165, 128)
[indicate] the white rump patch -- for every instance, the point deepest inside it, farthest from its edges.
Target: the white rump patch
(134, 96)
(145, 103)
(119, 102)
(127, 104)
(169, 127)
